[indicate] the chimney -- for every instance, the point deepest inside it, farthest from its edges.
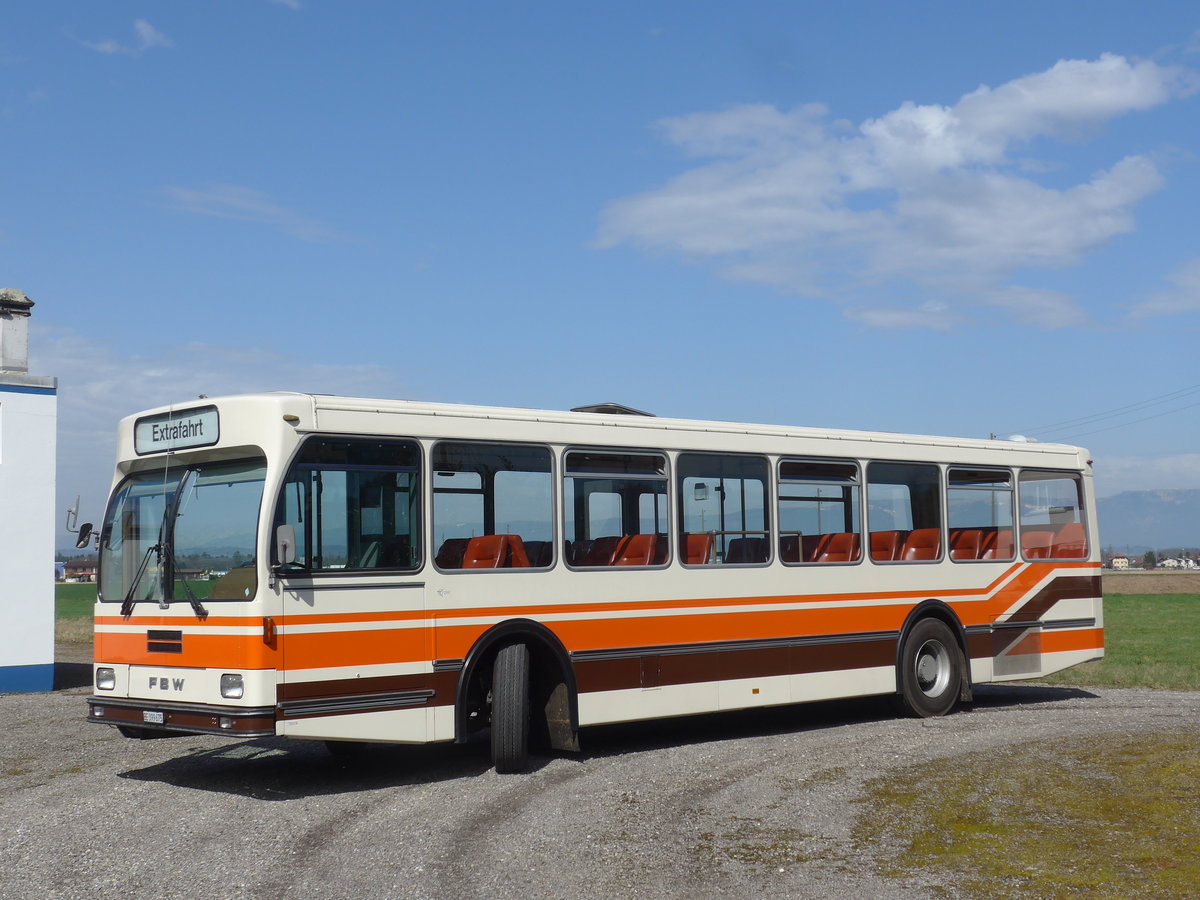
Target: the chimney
(14, 331)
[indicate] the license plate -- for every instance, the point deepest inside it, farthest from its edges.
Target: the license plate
(152, 718)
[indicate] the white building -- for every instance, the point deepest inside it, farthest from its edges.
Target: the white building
(28, 414)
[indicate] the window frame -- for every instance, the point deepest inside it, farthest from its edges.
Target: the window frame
(858, 486)
(1081, 494)
(555, 555)
(768, 533)
(938, 507)
(568, 499)
(417, 515)
(1012, 508)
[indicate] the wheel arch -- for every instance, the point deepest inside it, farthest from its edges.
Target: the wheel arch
(936, 609)
(550, 669)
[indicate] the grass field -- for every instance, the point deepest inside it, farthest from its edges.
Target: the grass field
(1153, 640)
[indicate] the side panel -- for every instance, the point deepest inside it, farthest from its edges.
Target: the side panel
(356, 660)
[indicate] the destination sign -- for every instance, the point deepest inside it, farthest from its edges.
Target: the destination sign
(177, 430)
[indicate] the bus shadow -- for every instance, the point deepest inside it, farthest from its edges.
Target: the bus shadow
(988, 696)
(279, 769)
(72, 675)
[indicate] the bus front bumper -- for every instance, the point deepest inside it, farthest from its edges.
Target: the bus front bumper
(182, 718)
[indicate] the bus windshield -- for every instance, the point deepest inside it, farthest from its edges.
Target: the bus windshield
(182, 533)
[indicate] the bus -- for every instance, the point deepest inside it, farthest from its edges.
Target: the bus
(345, 569)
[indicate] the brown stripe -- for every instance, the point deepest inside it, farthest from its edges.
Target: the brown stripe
(441, 683)
(703, 666)
(1070, 587)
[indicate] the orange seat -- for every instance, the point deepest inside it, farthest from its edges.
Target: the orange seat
(813, 545)
(486, 552)
(635, 550)
(841, 546)
(601, 552)
(697, 549)
(966, 543)
(922, 544)
(885, 545)
(997, 544)
(1070, 542)
(1036, 544)
(495, 551)
(517, 558)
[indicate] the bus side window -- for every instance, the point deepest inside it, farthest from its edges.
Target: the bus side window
(1052, 525)
(615, 509)
(819, 512)
(723, 498)
(353, 505)
(493, 506)
(979, 504)
(904, 512)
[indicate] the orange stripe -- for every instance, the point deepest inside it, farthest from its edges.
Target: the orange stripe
(1058, 641)
(201, 651)
(354, 648)
(380, 646)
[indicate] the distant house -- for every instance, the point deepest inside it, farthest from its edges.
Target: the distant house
(80, 572)
(1120, 561)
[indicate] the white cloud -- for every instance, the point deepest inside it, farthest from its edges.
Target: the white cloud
(1048, 310)
(930, 315)
(1182, 297)
(924, 195)
(98, 385)
(1115, 474)
(230, 201)
(147, 37)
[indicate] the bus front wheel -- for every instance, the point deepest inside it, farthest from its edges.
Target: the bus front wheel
(931, 670)
(510, 709)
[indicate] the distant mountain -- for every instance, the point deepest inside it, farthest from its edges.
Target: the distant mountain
(1143, 520)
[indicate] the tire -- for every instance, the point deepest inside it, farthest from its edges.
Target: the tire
(931, 670)
(510, 709)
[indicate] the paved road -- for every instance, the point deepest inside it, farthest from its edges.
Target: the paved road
(734, 805)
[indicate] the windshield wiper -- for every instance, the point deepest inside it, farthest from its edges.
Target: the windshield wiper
(197, 606)
(128, 603)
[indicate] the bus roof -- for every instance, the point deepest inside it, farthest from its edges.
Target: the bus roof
(322, 408)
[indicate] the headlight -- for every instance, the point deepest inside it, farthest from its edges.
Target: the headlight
(106, 678)
(232, 687)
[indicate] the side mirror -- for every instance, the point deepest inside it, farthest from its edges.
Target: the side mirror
(85, 535)
(285, 544)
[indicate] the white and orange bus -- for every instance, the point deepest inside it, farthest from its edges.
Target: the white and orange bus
(413, 572)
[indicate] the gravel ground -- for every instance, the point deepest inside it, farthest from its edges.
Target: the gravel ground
(736, 805)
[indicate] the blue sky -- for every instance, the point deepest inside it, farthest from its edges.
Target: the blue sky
(929, 217)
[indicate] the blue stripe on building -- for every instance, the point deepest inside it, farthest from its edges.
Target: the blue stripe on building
(26, 679)
(22, 389)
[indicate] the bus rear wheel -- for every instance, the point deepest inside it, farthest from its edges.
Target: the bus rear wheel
(510, 709)
(931, 670)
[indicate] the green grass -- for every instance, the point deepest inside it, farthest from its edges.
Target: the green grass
(1152, 641)
(74, 601)
(1114, 816)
